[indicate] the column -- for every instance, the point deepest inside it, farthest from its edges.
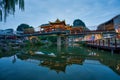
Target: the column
(58, 49)
(99, 42)
(66, 40)
(115, 43)
(103, 42)
(108, 42)
(59, 40)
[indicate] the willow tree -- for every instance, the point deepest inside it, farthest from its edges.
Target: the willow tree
(8, 7)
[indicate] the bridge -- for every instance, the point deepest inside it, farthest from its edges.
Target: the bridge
(68, 33)
(61, 29)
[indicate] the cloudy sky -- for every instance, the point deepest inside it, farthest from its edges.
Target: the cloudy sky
(37, 12)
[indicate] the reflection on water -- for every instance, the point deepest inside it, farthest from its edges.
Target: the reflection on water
(71, 62)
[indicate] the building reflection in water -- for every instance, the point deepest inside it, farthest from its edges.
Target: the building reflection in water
(64, 56)
(60, 65)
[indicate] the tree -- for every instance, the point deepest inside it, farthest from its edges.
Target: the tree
(25, 28)
(78, 23)
(8, 7)
(21, 27)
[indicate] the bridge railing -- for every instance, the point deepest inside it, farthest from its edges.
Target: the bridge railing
(109, 42)
(73, 33)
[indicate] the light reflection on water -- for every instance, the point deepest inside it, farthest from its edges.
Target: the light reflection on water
(59, 63)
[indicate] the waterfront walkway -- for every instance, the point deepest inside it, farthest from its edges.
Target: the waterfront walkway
(108, 44)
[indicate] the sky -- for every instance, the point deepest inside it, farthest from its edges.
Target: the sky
(37, 12)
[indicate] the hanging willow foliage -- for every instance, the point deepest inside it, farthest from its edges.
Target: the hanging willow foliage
(8, 7)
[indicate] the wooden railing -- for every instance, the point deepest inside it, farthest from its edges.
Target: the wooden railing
(108, 42)
(112, 44)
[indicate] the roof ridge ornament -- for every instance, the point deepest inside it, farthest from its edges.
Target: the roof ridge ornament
(57, 20)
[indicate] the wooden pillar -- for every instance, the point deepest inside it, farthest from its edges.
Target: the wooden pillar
(96, 42)
(115, 43)
(103, 42)
(108, 42)
(93, 42)
(54, 28)
(99, 42)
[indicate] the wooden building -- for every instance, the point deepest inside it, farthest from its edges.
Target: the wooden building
(110, 25)
(55, 26)
(75, 30)
(60, 26)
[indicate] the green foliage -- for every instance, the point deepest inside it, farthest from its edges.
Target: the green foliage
(78, 22)
(42, 37)
(52, 38)
(29, 44)
(82, 43)
(21, 27)
(49, 38)
(8, 7)
(38, 44)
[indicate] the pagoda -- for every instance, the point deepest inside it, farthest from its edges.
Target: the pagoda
(55, 26)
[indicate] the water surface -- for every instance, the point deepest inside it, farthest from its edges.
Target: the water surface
(59, 63)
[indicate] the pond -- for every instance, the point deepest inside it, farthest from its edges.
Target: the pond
(71, 62)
